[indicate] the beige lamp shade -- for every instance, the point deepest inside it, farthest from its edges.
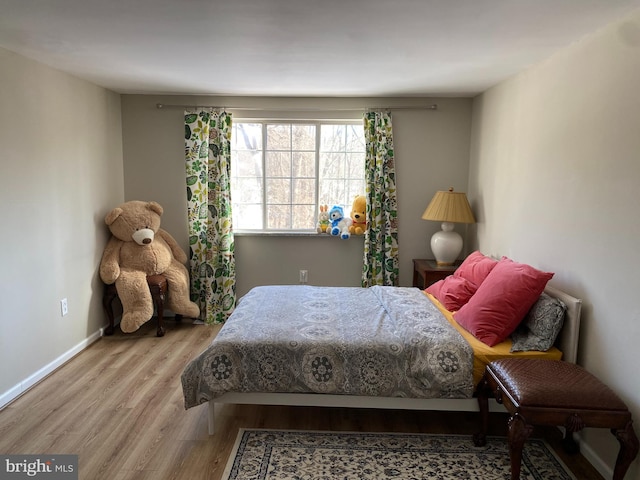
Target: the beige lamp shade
(448, 207)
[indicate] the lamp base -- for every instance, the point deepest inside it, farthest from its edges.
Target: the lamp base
(446, 245)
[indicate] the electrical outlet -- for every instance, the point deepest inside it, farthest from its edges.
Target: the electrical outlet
(64, 307)
(303, 276)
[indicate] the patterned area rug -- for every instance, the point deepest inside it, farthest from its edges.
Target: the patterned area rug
(290, 454)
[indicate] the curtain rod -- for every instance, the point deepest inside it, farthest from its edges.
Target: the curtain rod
(433, 106)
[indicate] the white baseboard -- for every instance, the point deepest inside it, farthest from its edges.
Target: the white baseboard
(587, 452)
(26, 384)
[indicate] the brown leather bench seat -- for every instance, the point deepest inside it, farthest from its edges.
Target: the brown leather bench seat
(549, 392)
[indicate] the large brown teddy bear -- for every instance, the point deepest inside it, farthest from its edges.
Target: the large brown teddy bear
(139, 247)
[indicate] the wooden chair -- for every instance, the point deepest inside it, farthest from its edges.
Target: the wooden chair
(158, 286)
(548, 392)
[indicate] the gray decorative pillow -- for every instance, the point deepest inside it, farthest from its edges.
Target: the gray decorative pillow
(539, 329)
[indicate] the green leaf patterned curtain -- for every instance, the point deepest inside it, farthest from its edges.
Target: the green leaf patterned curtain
(207, 136)
(381, 238)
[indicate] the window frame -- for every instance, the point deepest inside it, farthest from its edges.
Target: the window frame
(318, 123)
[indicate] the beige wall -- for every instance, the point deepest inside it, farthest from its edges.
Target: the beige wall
(555, 181)
(432, 151)
(61, 161)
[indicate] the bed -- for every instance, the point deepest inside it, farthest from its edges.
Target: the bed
(380, 347)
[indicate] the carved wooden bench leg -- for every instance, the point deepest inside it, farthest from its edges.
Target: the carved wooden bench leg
(628, 450)
(110, 293)
(160, 310)
(519, 431)
(158, 290)
(572, 425)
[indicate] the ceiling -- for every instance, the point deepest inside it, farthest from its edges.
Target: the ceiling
(299, 47)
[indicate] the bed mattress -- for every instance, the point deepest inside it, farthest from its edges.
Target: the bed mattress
(378, 341)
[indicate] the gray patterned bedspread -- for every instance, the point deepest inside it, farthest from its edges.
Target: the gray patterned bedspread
(378, 341)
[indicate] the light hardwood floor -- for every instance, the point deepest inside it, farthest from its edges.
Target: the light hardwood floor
(118, 405)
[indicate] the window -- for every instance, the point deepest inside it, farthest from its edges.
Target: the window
(282, 172)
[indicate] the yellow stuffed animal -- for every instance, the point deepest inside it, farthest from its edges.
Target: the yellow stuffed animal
(358, 215)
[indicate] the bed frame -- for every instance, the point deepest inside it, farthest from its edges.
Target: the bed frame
(567, 342)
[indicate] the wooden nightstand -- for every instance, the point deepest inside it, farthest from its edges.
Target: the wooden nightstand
(427, 272)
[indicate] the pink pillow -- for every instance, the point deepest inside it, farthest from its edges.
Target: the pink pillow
(452, 292)
(475, 268)
(502, 301)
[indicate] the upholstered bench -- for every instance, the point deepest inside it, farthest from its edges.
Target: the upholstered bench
(157, 286)
(548, 392)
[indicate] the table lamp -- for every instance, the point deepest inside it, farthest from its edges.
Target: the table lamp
(448, 207)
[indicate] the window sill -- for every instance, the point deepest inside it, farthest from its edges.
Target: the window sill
(291, 234)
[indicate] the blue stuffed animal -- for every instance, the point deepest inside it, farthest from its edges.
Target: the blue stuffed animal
(339, 224)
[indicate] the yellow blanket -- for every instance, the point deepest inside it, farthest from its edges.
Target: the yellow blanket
(484, 354)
